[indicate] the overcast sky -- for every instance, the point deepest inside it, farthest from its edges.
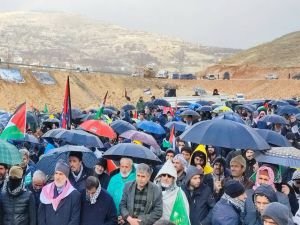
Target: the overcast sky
(224, 23)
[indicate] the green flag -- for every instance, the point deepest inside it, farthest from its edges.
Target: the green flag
(46, 109)
(99, 113)
(179, 215)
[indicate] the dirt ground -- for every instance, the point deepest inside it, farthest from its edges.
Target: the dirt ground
(88, 90)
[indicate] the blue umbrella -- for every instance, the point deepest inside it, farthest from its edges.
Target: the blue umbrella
(190, 112)
(248, 107)
(47, 161)
(52, 133)
(273, 138)
(27, 138)
(161, 102)
(203, 102)
(298, 116)
(231, 116)
(183, 104)
(151, 127)
(138, 153)
(150, 105)
(292, 102)
(225, 133)
(112, 108)
(194, 106)
(284, 156)
(109, 111)
(128, 107)
(274, 119)
(278, 102)
(288, 109)
(179, 126)
(120, 126)
(76, 114)
(205, 108)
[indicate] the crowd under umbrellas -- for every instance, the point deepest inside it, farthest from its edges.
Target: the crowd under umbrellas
(149, 163)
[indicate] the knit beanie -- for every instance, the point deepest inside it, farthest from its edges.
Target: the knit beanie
(240, 160)
(63, 167)
(234, 188)
(16, 172)
(102, 162)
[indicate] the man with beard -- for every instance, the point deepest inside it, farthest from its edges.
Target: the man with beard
(180, 165)
(3, 174)
(118, 181)
(17, 205)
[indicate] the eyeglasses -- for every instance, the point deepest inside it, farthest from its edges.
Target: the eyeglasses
(168, 175)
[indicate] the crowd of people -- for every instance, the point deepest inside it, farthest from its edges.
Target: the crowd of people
(195, 184)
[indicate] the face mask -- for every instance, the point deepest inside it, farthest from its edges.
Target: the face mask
(14, 183)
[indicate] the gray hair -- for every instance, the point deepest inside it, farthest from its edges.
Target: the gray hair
(144, 168)
(127, 159)
(39, 175)
(24, 151)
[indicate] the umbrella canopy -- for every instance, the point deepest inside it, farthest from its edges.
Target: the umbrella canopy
(75, 137)
(205, 108)
(248, 107)
(52, 133)
(140, 136)
(222, 109)
(278, 102)
(161, 102)
(48, 161)
(98, 128)
(284, 156)
(9, 154)
(298, 116)
(150, 105)
(273, 138)
(203, 102)
(194, 106)
(112, 108)
(27, 138)
(32, 120)
(225, 133)
(120, 126)
(128, 107)
(231, 116)
(274, 119)
(288, 109)
(292, 102)
(179, 126)
(138, 153)
(76, 114)
(151, 127)
(51, 120)
(108, 111)
(183, 104)
(190, 112)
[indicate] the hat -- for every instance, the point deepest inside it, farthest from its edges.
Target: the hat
(16, 172)
(240, 160)
(279, 213)
(63, 167)
(102, 162)
(170, 150)
(263, 172)
(76, 154)
(234, 188)
(181, 159)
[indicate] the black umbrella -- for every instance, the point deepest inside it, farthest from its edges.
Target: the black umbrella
(231, 116)
(225, 133)
(77, 114)
(205, 108)
(203, 102)
(273, 138)
(183, 104)
(108, 111)
(120, 126)
(112, 108)
(138, 153)
(128, 107)
(161, 102)
(48, 161)
(288, 109)
(190, 112)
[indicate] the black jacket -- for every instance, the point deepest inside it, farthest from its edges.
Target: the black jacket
(18, 209)
(80, 184)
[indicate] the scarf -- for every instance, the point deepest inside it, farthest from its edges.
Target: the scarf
(240, 205)
(47, 194)
(7, 188)
(271, 176)
(92, 199)
(76, 177)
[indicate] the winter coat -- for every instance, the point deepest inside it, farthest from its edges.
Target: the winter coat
(153, 208)
(201, 150)
(103, 212)
(80, 184)
(201, 200)
(116, 186)
(17, 209)
(252, 216)
(169, 195)
(224, 213)
(104, 179)
(280, 214)
(67, 212)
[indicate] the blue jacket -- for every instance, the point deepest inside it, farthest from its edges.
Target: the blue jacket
(103, 212)
(224, 213)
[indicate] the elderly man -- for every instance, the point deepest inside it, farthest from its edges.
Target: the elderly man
(118, 181)
(27, 166)
(79, 173)
(60, 201)
(141, 202)
(17, 205)
(180, 165)
(39, 180)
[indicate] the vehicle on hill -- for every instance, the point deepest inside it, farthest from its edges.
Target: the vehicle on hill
(163, 74)
(271, 77)
(211, 77)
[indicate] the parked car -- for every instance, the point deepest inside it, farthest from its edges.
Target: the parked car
(211, 77)
(271, 77)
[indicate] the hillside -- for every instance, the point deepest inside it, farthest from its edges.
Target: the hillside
(73, 41)
(281, 52)
(88, 90)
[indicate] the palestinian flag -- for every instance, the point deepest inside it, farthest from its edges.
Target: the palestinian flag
(15, 129)
(100, 111)
(179, 214)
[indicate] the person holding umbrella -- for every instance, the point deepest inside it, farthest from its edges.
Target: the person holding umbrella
(79, 172)
(60, 201)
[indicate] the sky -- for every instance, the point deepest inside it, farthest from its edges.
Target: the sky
(223, 23)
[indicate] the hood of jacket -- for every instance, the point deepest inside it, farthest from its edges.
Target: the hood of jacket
(201, 151)
(167, 168)
(266, 190)
(190, 172)
(279, 213)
